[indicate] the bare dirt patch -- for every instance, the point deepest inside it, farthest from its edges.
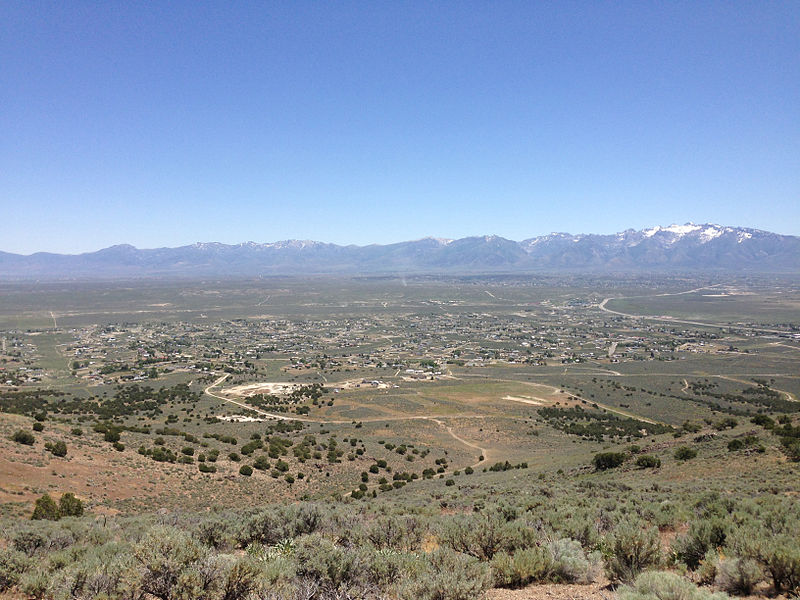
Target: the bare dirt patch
(266, 387)
(524, 400)
(554, 591)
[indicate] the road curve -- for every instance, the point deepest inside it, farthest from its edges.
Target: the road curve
(434, 418)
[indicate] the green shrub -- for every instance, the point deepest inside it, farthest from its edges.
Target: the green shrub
(38, 426)
(70, 506)
(389, 532)
(726, 423)
(524, 566)
(111, 435)
(34, 583)
(764, 421)
(608, 460)
(483, 535)
(570, 563)
(738, 575)
(13, 564)
(648, 461)
(273, 524)
(23, 437)
(782, 559)
(29, 541)
(165, 558)
(632, 550)
(216, 532)
(206, 468)
(447, 575)
(659, 585)
(703, 535)
(56, 449)
(240, 580)
(261, 463)
(385, 568)
(246, 470)
(706, 571)
(327, 563)
(691, 426)
(45, 509)
(685, 453)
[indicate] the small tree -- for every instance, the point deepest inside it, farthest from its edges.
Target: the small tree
(45, 508)
(70, 506)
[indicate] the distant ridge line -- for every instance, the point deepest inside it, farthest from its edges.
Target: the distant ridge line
(687, 247)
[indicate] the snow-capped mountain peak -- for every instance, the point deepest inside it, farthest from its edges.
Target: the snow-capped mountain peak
(679, 248)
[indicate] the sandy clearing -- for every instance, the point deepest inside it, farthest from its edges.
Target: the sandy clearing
(524, 400)
(242, 419)
(276, 388)
(266, 387)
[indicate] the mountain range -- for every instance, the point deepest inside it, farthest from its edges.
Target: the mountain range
(688, 247)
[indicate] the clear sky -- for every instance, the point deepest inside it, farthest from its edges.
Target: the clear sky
(166, 123)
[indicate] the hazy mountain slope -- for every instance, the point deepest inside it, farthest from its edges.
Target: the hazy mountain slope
(673, 248)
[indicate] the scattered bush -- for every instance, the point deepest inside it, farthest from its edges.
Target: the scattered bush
(685, 453)
(447, 575)
(111, 435)
(782, 559)
(23, 437)
(56, 449)
(648, 461)
(608, 460)
(703, 535)
(659, 585)
(38, 426)
(738, 575)
(168, 559)
(632, 550)
(261, 463)
(483, 535)
(570, 563)
(246, 470)
(522, 567)
(330, 565)
(13, 564)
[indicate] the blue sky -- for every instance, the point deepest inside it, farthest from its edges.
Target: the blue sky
(162, 124)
